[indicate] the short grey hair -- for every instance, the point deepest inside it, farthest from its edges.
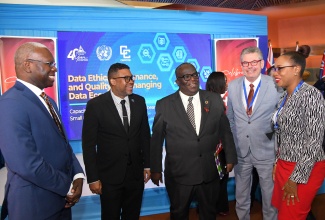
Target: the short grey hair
(249, 50)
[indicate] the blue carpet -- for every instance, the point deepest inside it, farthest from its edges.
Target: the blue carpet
(155, 201)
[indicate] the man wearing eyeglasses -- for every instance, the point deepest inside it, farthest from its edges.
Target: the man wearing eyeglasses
(116, 145)
(191, 122)
(252, 99)
(39, 159)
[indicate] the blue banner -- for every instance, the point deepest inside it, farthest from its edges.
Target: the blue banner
(85, 57)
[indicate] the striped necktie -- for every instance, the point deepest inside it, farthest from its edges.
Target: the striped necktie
(249, 99)
(53, 114)
(190, 112)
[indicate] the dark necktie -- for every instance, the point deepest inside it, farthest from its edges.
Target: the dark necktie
(250, 98)
(125, 116)
(53, 114)
(190, 112)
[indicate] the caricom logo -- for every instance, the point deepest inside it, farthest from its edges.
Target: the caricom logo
(77, 54)
(104, 52)
(124, 51)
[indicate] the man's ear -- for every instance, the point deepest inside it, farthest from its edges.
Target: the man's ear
(177, 82)
(26, 66)
(262, 63)
(112, 82)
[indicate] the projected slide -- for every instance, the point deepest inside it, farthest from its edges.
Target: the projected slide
(85, 57)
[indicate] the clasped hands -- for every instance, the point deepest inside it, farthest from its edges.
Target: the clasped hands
(74, 195)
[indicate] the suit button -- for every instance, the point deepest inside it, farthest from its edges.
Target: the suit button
(126, 155)
(198, 140)
(249, 122)
(247, 136)
(200, 155)
(128, 139)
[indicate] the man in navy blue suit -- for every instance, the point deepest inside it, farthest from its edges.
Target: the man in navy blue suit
(39, 159)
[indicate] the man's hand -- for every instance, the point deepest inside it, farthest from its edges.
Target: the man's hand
(96, 187)
(230, 167)
(146, 175)
(74, 195)
(156, 177)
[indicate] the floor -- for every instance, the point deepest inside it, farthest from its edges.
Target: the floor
(318, 209)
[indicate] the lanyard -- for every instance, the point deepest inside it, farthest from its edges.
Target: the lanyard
(254, 96)
(276, 126)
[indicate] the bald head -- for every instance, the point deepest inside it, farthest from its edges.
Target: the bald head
(23, 52)
(34, 64)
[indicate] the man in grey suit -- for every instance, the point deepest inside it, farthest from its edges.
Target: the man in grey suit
(191, 122)
(252, 99)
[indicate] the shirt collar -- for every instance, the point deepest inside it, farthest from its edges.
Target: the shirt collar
(117, 99)
(255, 83)
(37, 91)
(185, 97)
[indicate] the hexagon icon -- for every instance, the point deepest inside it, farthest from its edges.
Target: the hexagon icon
(165, 62)
(146, 53)
(161, 41)
(205, 72)
(179, 54)
(172, 79)
(195, 63)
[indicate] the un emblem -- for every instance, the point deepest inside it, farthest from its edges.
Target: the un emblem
(104, 52)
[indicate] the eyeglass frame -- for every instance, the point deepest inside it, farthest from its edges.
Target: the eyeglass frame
(279, 68)
(51, 64)
(127, 79)
(252, 63)
(195, 75)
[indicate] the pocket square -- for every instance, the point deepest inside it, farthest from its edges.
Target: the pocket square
(269, 135)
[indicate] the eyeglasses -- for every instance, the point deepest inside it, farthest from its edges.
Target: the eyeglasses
(253, 63)
(277, 69)
(126, 78)
(51, 64)
(187, 77)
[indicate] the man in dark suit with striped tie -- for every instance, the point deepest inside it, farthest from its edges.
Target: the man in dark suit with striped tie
(191, 122)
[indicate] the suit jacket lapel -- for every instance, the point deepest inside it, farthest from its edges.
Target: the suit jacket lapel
(133, 111)
(240, 96)
(205, 109)
(261, 93)
(113, 110)
(34, 99)
(181, 112)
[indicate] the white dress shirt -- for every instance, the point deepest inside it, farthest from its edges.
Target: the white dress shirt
(247, 87)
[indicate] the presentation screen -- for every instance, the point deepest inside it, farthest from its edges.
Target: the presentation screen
(85, 57)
